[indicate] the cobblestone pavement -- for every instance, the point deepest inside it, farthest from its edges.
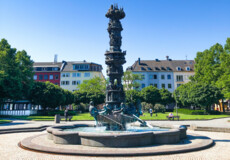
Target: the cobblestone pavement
(9, 150)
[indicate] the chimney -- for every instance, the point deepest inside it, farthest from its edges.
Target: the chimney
(55, 58)
(139, 61)
(167, 57)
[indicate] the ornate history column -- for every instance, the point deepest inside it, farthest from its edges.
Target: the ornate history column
(115, 58)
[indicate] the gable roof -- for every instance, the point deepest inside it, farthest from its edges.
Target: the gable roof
(162, 65)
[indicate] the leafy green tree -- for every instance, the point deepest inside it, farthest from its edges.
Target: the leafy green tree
(47, 94)
(166, 97)
(132, 97)
(204, 95)
(131, 80)
(198, 94)
(151, 95)
(91, 90)
(16, 76)
(68, 97)
(26, 72)
(181, 95)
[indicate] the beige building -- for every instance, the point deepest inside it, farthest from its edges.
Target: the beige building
(74, 73)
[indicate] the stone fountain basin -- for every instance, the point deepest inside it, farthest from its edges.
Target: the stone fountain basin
(133, 139)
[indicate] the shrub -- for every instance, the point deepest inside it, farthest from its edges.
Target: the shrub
(159, 108)
(146, 106)
(190, 111)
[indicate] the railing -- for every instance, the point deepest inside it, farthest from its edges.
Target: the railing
(18, 112)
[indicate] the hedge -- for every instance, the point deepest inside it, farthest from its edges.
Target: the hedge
(190, 111)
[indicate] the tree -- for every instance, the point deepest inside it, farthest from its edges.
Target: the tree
(11, 86)
(204, 95)
(16, 73)
(131, 80)
(47, 94)
(132, 97)
(166, 97)
(26, 72)
(151, 95)
(91, 90)
(198, 94)
(69, 97)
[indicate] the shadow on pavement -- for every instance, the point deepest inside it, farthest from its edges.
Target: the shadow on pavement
(12, 124)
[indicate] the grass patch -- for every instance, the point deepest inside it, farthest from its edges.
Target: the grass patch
(163, 116)
(4, 121)
(146, 116)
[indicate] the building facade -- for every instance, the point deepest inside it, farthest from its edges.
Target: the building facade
(74, 73)
(168, 74)
(48, 71)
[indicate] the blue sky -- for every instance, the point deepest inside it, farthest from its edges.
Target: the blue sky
(76, 29)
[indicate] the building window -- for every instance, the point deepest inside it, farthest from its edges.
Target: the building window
(155, 85)
(67, 74)
(45, 77)
(169, 76)
(143, 85)
(151, 84)
(155, 76)
(162, 85)
(74, 82)
(87, 75)
(63, 75)
(169, 85)
(179, 78)
(44, 69)
(81, 66)
(179, 68)
(74, 74)
(56, 77)
(51, 77)
(162, 76)
(40, 77)
(55, 69)
(143, 76)
(150, 76)
(78, 74)
(178, 85)
(35, 77)
(64, 82)
(187, 68)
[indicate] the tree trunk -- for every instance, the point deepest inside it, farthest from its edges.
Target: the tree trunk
(223, 105)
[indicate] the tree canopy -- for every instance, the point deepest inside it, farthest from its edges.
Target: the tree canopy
(213, 67)
(131, 80)
(16, 73)
(91, 90)
(198, 94)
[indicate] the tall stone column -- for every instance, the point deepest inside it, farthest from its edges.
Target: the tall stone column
(115, 58)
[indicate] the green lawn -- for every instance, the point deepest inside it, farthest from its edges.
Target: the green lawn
(162, 116)
(4, 121)
(146, 116)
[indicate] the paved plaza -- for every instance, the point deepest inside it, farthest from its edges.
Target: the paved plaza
(9, 149)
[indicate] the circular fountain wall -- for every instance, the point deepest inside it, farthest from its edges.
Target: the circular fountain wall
(70, 134)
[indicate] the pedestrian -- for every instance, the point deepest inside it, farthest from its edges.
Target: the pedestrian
(66, 114)
(151, 112)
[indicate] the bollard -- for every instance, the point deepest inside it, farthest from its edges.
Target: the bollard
(57, 118)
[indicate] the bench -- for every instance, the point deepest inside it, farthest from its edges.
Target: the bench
(68, 118)
(172, 118)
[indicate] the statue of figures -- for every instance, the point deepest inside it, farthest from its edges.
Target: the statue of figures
(93, 110)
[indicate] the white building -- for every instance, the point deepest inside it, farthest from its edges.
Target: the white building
(168, 74)
(74, 73)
